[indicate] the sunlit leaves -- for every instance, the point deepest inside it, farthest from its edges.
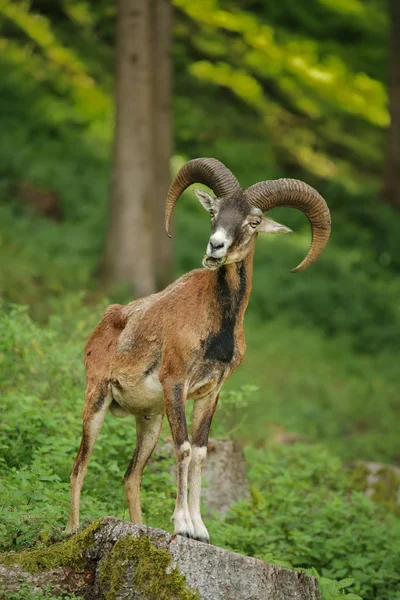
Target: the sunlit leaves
(306, 91)
(61, 66)
(79, 12)
(371, 14)
(280, 124)
(331, 78)
(292, 82)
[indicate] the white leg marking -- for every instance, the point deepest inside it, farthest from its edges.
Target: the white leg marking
(198, 457)
(181, 517)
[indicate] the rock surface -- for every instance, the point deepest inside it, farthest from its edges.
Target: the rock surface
(224, 474)
(63, 578)
(215, 573)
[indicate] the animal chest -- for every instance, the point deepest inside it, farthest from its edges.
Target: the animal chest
(220, 345)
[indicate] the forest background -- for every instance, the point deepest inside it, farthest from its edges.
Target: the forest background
(273, 89)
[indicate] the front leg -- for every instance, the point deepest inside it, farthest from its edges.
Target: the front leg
(175, 400)
(203, 412)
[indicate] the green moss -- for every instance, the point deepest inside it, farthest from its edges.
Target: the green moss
(152, 573)
(359, 478)
(68, 553)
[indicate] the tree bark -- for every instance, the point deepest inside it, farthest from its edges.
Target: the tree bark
(392, 168)
(138, 252)
(162, 136)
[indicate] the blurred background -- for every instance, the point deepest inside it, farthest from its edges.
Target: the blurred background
(100, 104)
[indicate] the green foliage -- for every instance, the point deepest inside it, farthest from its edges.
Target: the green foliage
(332, 589)
(384, 489)
(27, 593)
(295, 67)
(232, 410)
(36, 269)
(316, 387)
(303, 514)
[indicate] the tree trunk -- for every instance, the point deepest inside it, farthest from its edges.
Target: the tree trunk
(162, 137)
(392, 168)
(142, 146)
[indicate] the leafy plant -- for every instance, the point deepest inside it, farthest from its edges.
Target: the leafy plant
(232, 411)
(304, 514)
(27, 593)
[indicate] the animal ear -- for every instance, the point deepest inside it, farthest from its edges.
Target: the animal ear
(270, 226)
(205, 199)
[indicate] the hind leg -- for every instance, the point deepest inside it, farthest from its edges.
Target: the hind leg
(148, 429)
(98, 400)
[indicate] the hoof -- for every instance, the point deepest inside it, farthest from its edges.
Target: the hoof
(186, 534)
(200, 531)
(204, 540)
(183, 525)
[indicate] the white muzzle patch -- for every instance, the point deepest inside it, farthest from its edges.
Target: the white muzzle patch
(219, 243)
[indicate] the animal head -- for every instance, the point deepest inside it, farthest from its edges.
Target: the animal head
(234, 224)
(237, 215)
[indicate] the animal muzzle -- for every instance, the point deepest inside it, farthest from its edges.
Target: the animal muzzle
(211, 262)
(217, 249)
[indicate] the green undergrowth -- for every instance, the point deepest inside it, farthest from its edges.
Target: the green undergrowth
(28, 593)
(304, 513)
(152, 573)
(317, 389)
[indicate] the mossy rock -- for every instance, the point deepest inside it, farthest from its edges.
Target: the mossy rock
(153, 575)
(379, 482)
(117, 560)
(69, 553)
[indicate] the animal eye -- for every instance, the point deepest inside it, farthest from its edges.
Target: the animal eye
(212, 213)
(254, 224)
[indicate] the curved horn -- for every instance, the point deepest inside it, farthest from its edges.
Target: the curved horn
(300, 195)
(209, 171)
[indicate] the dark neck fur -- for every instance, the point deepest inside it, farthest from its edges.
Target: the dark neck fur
(233, 287)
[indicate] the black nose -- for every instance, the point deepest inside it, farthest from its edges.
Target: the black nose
(216, 246)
